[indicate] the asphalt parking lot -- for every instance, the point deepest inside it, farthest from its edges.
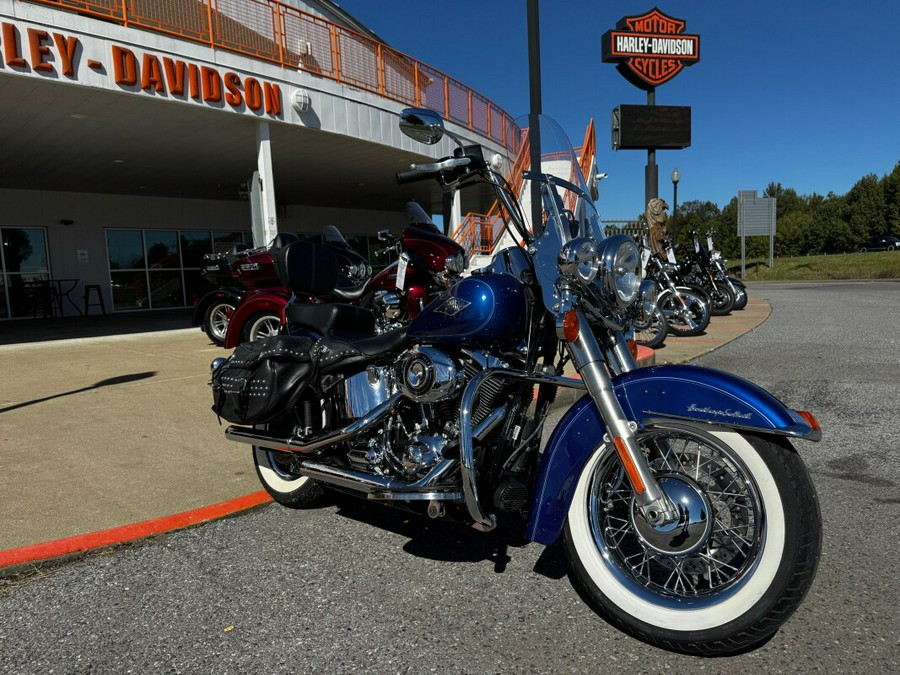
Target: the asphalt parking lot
(356, 588)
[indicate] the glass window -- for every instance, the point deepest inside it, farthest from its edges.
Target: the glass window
(126, 249)
(360, 244)
(162, 249)
(166, 289)
(224, 241)
(129, 290)
(23, 265)
(4, 308)
(25, 250)
(150, 269)
(194, 245)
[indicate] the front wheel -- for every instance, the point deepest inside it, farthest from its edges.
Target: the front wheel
(730, 571)
(740, 294)
(723, 300)
(687, 313)
(651, 331)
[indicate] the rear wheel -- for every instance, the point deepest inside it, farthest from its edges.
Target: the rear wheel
(730, 571)
(281, 480)
(215, 320)
(261, 325)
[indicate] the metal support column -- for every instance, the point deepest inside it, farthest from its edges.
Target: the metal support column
(534, 134)
(267, 183)
(651, 171)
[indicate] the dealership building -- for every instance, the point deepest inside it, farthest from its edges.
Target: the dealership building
(139, 135)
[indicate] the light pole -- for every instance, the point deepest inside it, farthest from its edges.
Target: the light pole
(676, 176)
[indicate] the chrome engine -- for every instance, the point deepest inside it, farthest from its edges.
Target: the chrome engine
(427, 375)
(414, 439)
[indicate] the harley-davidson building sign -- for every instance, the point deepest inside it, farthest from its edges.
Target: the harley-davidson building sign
(650, 49)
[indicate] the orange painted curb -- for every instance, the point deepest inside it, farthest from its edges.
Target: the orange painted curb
(118, 535)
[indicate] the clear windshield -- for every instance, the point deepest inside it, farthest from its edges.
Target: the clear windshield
(332, 235)
(566, 211)
(571, 210)
(415, 215)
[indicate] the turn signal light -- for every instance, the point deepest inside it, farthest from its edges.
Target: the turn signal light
(629, 466)
(810, 420)
(570, 326)
(633, 348)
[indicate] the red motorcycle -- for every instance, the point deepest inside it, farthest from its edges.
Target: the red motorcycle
(260, 312)
(428, 263)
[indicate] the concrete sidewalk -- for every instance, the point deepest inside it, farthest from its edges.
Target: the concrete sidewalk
(99, 431)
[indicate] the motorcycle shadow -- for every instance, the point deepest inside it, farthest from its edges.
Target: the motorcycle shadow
(449, 541)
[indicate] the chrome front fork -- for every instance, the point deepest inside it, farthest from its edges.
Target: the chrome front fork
(589, 361)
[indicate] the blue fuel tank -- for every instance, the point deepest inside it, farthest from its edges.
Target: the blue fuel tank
(480, 311)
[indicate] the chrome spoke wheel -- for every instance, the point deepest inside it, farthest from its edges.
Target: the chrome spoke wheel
(716, 539)
(736, 561)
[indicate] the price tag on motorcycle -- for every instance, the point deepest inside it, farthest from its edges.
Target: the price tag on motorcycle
(670, 254)
(401, 272)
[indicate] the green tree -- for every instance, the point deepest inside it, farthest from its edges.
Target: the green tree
(891, 187)
(830, 230)
(694, 216)
(787, 200)
(792, 233)
(865, 208)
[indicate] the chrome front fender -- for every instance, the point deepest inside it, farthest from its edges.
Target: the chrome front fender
(680, 392)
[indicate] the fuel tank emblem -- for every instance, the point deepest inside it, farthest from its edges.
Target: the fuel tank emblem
(452, 306)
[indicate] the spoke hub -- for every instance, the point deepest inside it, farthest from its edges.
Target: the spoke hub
(689, 531)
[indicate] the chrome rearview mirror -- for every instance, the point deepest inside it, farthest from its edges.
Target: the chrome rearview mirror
(422, 124)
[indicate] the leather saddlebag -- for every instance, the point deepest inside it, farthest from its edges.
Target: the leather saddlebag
(262, 379)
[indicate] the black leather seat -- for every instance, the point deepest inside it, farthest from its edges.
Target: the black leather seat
(332, 316)
(338, 351)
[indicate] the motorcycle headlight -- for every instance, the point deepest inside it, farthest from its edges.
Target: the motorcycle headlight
(578, 260)
(649, 294)
(456, 263)
(619, 270)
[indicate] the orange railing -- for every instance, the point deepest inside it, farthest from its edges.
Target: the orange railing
(479, 233)
(272, 31)
(585, 161)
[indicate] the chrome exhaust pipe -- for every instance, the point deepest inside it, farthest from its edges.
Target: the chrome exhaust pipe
(378, 487)
(266, 439)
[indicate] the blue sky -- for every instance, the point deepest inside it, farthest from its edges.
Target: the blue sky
(798, 92)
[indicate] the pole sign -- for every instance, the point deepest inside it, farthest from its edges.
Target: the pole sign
(650, 49)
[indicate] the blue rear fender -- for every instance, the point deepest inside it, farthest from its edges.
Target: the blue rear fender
(679, 392)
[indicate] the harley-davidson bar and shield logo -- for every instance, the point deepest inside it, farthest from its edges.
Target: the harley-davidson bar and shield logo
(650, 49)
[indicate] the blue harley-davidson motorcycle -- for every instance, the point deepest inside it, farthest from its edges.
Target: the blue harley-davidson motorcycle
(684, 511)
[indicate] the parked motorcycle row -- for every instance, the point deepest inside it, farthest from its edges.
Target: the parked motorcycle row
(686, 514)
(689, 292)
(250, 301)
